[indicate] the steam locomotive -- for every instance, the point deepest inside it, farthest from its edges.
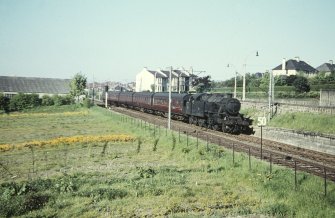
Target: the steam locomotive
(215, 111)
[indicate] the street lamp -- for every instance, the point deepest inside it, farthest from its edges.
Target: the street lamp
(235, 85)
(245, 73)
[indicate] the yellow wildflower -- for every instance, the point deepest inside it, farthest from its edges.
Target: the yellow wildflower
(70, 140)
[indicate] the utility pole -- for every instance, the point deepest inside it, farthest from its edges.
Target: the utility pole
(245, 73)
(93, 89)
(170, 84)
(271, 92)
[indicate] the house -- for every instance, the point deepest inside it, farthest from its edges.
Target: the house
(158, 80)
(12, 85)
(327, 68)
(294, 67)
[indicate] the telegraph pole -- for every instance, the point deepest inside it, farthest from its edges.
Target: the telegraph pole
(170, 84)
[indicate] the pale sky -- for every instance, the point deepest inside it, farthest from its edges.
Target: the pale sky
(114, 39)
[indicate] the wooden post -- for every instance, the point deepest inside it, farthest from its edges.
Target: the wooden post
(325, 171)
(187, 139)
(179, 135)
(261, 142)
(270, 163)
(207, 142)
(197, 140)
(233, 154)
(295, 175)
(249, 160)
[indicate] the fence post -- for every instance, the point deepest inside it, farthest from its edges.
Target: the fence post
(325, 171)
(207, 142)
(197, 140)
(270, 163)
(179, 134)
(187, 139)
(295, 174)
(261, 142)
(233, 154)
(249, 160)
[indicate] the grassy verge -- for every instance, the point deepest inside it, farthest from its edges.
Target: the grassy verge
(306, 121)
(155, 175)
(321, 123)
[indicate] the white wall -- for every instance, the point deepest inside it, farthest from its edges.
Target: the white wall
(144, 80)
(284, 72)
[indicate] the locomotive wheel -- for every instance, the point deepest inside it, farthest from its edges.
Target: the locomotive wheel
(226, 129)
(195, 121)
(215, 127)
(202, 123)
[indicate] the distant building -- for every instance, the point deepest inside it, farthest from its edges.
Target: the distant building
(158, 80)
(328, 68)
(294, 67)
(11, 85)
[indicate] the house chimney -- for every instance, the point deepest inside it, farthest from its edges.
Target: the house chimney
(331, 62)
(297, 58)
(283, 66)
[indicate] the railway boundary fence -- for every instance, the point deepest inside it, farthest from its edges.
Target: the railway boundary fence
(272, 157)
(41, 160)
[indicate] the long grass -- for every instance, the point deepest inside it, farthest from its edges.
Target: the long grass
(306, 122)
(118, 179)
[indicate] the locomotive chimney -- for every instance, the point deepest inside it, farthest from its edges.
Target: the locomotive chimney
(283, 66)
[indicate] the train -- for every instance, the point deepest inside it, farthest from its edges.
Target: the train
(215, 111)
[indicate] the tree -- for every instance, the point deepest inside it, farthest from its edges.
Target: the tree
(301, 84)
(4, 103)
(202, 84)
(152, 86)
(264, 83)
(290, 79)
(78, 85)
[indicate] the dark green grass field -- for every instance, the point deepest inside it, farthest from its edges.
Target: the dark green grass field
(154, 175)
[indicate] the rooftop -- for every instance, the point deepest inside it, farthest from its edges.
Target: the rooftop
(34, 85)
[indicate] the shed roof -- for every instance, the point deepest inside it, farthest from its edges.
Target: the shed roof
(34, 85)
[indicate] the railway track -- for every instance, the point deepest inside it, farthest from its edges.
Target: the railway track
(313, 162)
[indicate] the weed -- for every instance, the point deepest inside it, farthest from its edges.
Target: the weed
(139, 142)
(146, 173)
(174, 140)
(278, 210)
(185, 150)
(104, 148)
(155, 144)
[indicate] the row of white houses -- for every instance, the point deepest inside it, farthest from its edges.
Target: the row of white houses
(158, 80)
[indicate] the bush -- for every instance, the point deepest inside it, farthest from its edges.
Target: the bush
(62, 100)
(47, 100)
(4, 103)
(301, 84)
(24, 101)
(87, 103)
